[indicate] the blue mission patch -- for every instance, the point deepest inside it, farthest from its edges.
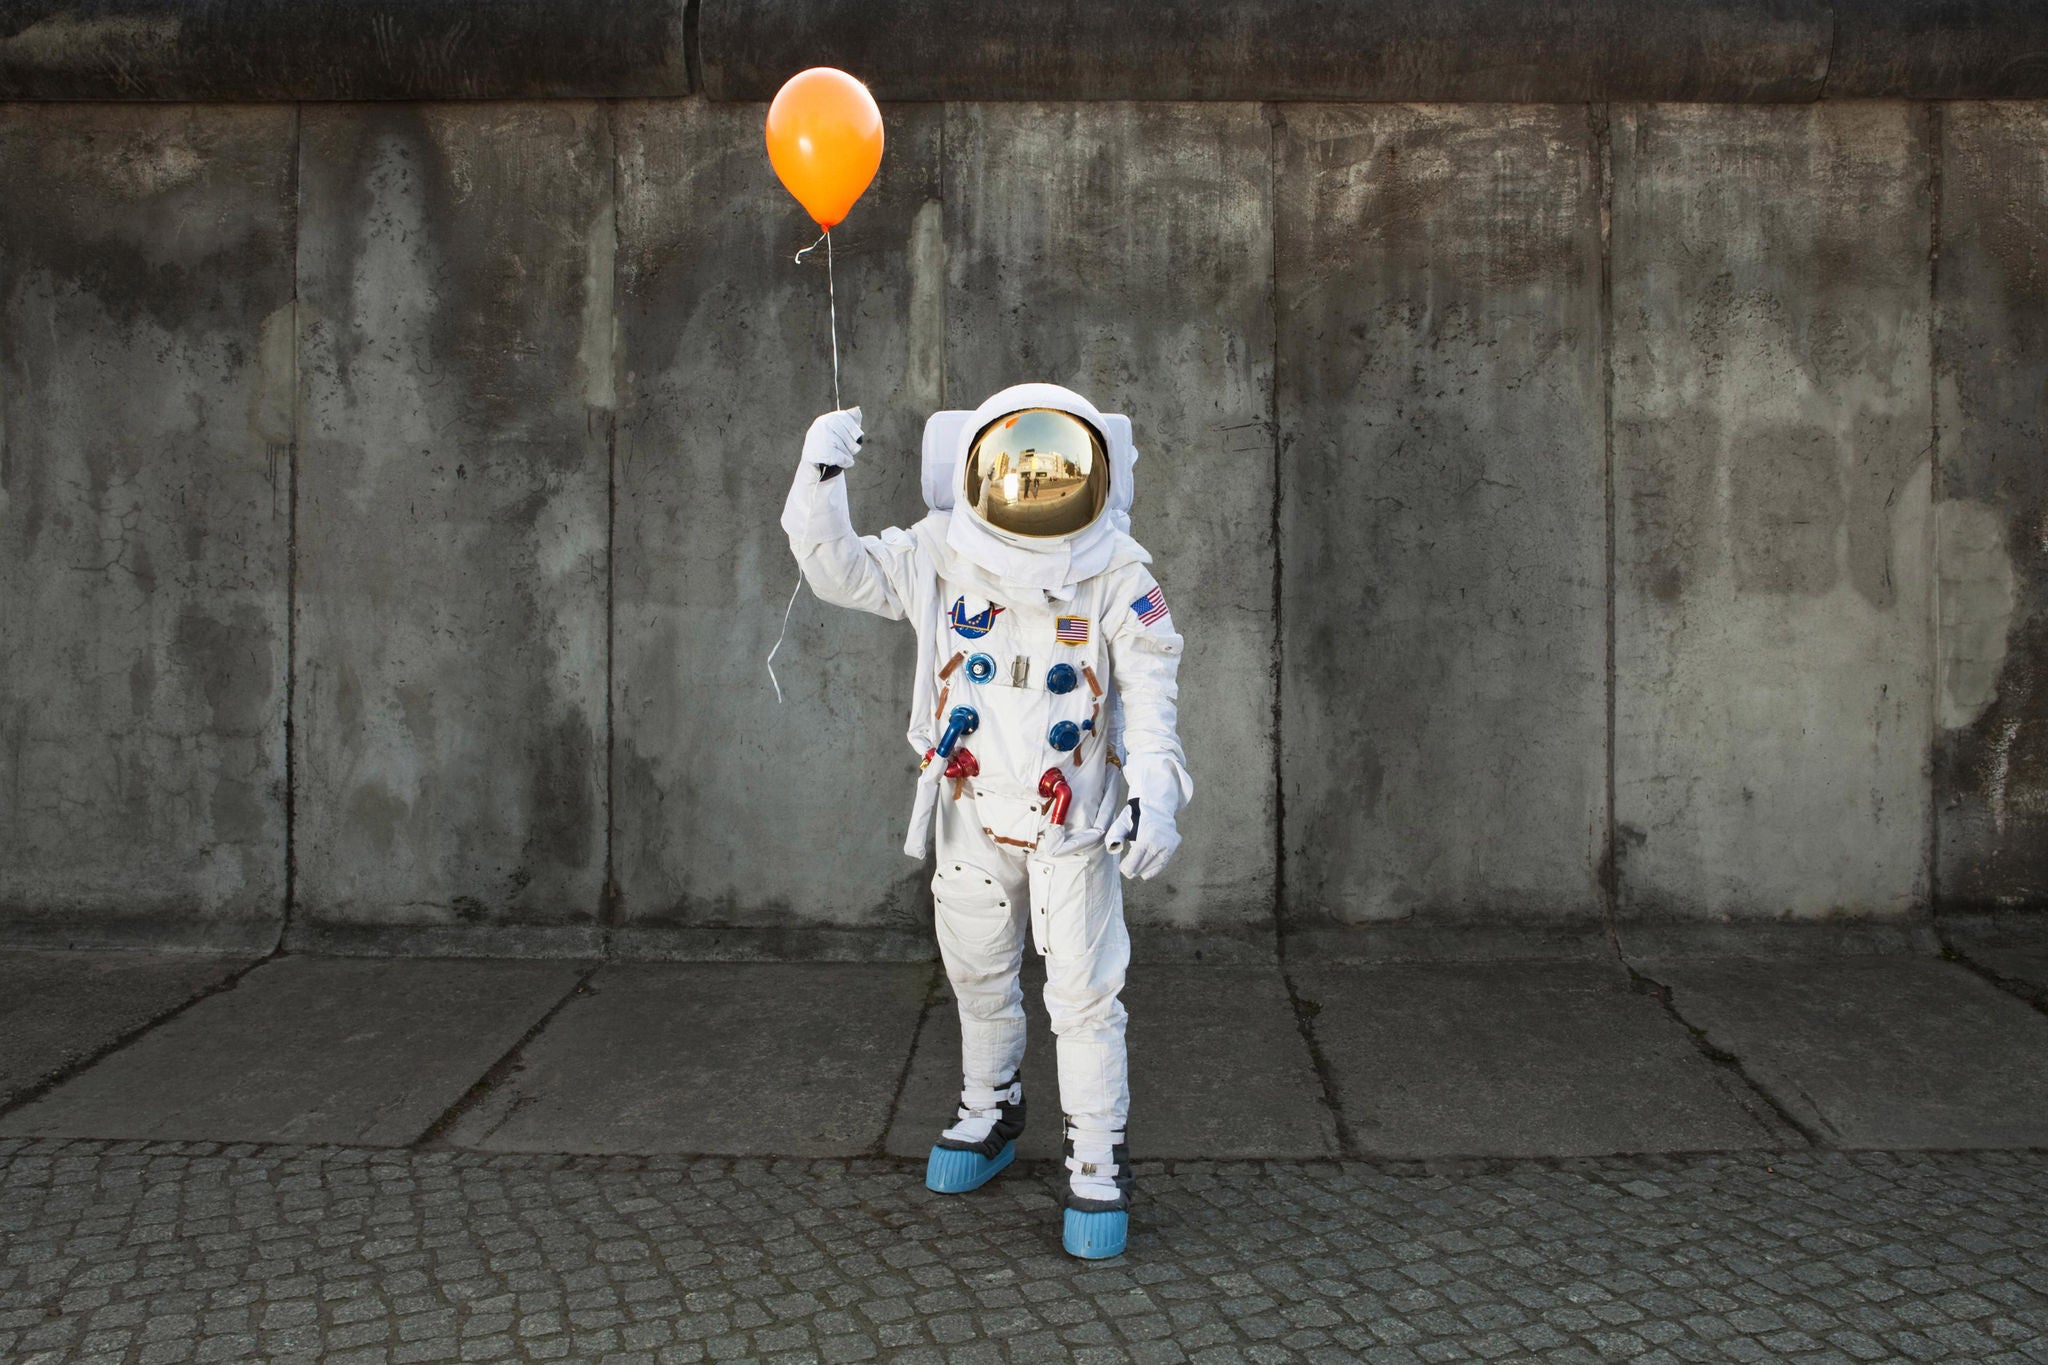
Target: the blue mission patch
(973, 627)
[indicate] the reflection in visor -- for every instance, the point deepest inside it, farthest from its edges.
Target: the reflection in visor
(1039, 472)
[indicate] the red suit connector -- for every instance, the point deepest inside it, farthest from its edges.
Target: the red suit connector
(961, 766)
(1053, 787)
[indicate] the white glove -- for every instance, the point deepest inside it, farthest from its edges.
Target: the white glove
(832, 441)
(1147, 838)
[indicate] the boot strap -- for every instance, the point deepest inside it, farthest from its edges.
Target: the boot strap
(976, 1102)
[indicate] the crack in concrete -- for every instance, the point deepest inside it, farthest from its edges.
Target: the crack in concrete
(1827, 70)
(2014, 986)
(1305, 1012)
(1721, 1057)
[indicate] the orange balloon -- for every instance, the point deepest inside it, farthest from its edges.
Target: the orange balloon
(825, 141)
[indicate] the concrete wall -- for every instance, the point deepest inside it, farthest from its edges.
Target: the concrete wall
(1442, 591)
(1580, 515)
(455, 330)
(1773, 633)
(145, 511)
(1991, 513)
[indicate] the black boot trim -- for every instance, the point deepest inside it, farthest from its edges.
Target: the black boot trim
(1008, 1128)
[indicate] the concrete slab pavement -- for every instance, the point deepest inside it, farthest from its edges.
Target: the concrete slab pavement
(1524, 1059)
(1219, 1069)
(784, 1059)
(1424, 1061)
(59, 1008)
(315, 1050)
(1890, 1053)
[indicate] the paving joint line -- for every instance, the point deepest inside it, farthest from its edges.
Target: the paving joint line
(932, 996)
(434, 1137)
(76, 1068)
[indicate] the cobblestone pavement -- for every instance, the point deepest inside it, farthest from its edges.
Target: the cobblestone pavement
(174, 1252)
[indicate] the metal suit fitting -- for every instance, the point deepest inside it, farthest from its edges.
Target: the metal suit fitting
(1053, 787)
(964, 721)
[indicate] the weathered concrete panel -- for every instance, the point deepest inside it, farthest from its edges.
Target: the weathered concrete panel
(1218, 1070)
(680, 1058)
(1938, 49)
(1991, 513)
(1886, 1053)
(1126, 252)
(308, 1050)
(1522, 1059)
(339, 49)
(1277, 49)
(734, 813)
(1442, 513)
(1773, 656)
(145, 428)
(455, 276)
(57, 1009)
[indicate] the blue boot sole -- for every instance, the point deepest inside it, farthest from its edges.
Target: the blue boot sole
(955, 1172)
(1095, 1236)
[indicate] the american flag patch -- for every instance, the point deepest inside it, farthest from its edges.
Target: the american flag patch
(1071, 630)
(1151, 606)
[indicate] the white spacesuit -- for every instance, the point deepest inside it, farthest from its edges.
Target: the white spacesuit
(1043, 707)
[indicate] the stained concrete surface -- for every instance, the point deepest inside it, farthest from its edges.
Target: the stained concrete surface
(1991, 368)
(1565, 50)
(1125, 251)
(308, 1050)
(1443, 505)
(455, 362)
(736, 818)
(793, 1059)
(1893, 1053)
(145, 492)
(1557, 1059)
(59, 1008)
(1900, 49)
(340, 49)
(1773, 655)
(1218, 1069)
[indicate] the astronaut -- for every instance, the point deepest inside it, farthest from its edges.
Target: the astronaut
(1043, 711)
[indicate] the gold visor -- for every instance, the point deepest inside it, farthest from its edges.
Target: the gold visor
(1039, 472)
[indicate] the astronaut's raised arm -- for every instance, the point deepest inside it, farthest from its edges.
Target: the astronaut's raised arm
(1144, 659)
(843, 567)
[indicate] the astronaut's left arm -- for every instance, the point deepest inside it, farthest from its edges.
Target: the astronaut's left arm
(1144, 658)
(843, 567)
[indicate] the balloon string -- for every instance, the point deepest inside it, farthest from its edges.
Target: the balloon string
(773, 680)
(832, 304)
